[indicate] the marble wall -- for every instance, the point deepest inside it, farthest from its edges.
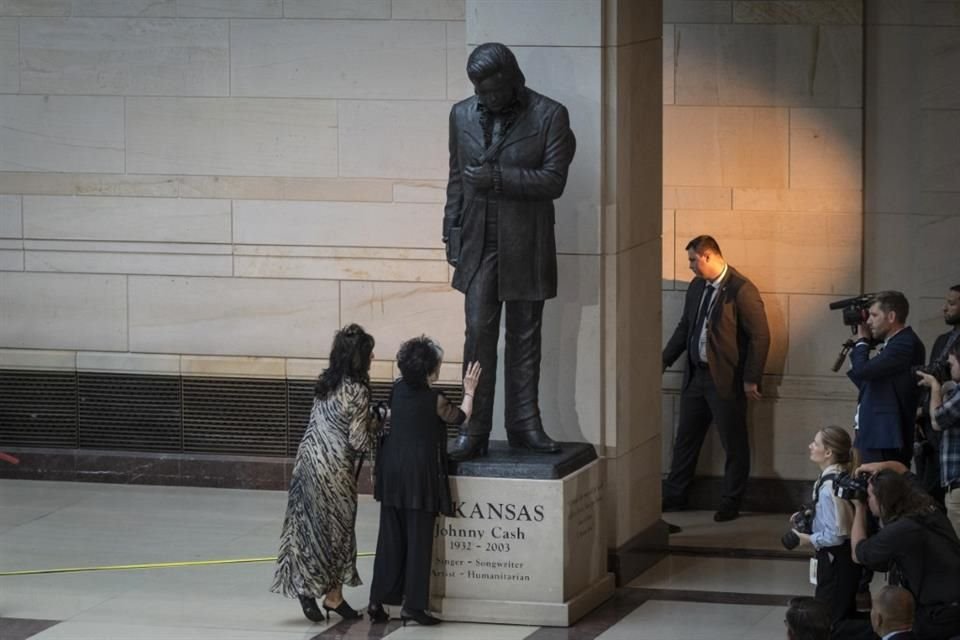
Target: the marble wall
(215, 187)
(763, 149)
(912, 216)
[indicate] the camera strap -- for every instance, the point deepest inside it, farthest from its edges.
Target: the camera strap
(819, 483)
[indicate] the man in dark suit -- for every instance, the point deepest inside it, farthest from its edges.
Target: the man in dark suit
(887, 403)
(724, 331)
(510, 149)
(928, 456)
(892, 614)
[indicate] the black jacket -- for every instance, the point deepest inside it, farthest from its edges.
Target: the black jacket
(411, 467)
(926, 551)
(738, 337)
(533, 160)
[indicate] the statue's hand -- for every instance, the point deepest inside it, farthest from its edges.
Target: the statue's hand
(479, 177)
(451, 258)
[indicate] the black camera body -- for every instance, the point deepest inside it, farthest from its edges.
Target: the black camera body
(939, 370)
(854, 310)
(851, 487)
(802, 521)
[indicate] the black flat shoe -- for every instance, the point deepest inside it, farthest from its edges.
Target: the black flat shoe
(377, 613)
(419, 616)
(310, 609)
(343, 610)
(466, 447)
(534, 440)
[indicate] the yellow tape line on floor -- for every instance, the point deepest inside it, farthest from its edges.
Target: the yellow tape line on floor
(153, 565)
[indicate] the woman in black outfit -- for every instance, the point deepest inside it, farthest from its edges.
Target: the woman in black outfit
(411, 482)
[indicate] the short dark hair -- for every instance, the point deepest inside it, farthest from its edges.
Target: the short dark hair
(491, 58)
(417, 359)
(897, 497)
(808, 619)
(956, 288)
(893, 301)
(700, 244)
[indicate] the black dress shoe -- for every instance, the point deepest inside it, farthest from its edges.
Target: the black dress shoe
(534, 440)
(310, 609)
(726, 514)
(377, 613)
(419, 616)
(343, 610)
(466, 447)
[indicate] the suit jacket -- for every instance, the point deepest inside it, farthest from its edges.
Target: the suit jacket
(903, 635)
(533, 160)
(888, 391)
(738, 338)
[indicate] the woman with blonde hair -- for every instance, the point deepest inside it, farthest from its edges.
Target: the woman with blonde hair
(838, 577)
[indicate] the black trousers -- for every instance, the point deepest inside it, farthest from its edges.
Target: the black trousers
(482, 308)
(838, 579)
(401, 569)
(700, 405)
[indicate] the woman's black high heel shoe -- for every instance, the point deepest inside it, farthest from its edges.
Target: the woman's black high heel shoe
(377, 613)
(310, 609)
(419, 616)
(343, 610)
(467, 446)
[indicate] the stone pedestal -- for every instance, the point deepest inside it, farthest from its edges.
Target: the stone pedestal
(526, 545)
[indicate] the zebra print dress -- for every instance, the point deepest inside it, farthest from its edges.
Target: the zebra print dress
(318, 546)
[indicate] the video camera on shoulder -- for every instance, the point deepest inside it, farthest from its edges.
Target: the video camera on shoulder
(854, 313)
(854, 310)
(847, 486)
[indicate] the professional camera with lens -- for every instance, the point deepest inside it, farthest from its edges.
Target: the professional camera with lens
(851, 487)
(802, 521)
(939, 370)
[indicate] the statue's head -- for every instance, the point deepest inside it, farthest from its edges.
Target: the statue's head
(495, 74)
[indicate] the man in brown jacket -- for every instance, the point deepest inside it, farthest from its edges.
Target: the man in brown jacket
(724, 331)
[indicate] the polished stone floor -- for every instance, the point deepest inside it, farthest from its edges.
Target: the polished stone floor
(721, 581)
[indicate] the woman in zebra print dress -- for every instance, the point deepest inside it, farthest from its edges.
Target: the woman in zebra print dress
(318, 546)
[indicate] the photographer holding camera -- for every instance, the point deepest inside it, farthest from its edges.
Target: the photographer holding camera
(917, 540)
(887, 402)
(945, 419)
(825, 526)
(927, 447)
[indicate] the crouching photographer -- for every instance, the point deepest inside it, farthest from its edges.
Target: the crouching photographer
(825, 525)
(916, 540)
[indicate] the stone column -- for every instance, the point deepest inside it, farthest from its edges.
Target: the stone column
(602, 336)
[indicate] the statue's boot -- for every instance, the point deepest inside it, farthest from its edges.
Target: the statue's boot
(468, 446)
(534, 440)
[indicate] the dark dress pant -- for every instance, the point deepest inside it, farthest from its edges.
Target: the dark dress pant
(838, 579)
(524, 321)
(701, 405)
(401, 569)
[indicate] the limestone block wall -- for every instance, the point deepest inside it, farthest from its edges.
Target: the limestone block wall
(912, 216)
(763, 147)
(224, 183)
